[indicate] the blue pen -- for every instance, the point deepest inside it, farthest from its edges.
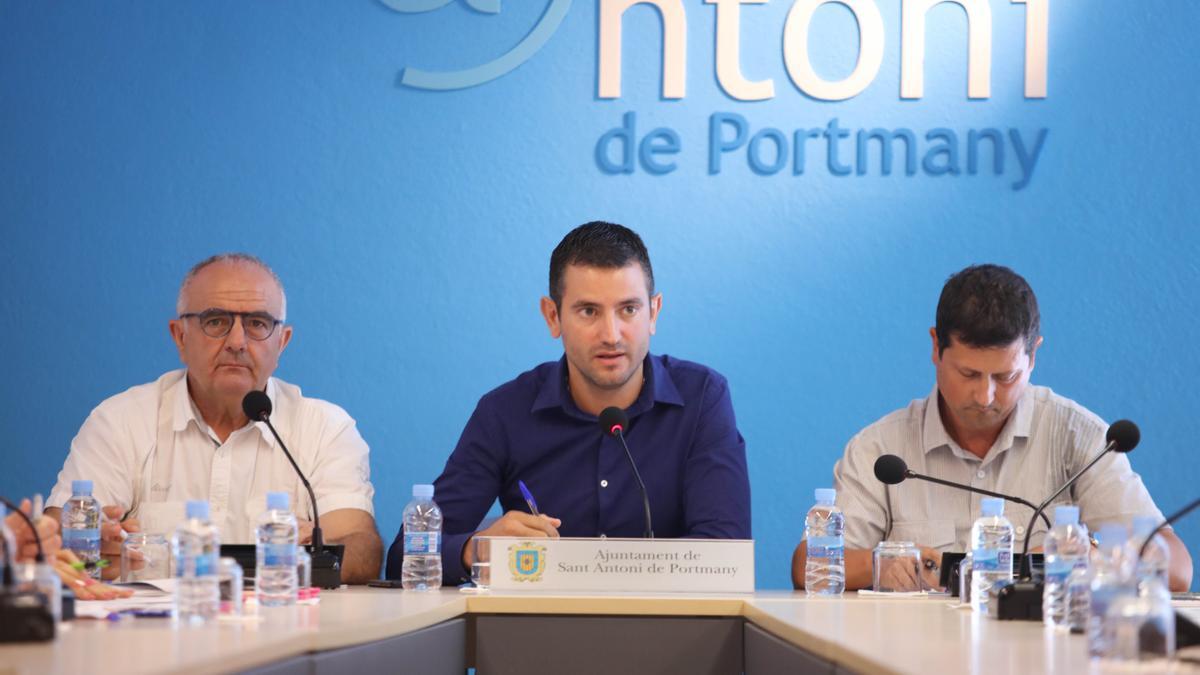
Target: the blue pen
(528, 498)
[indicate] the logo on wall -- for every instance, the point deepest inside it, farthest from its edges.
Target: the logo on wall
(526, 561)
(446, 80)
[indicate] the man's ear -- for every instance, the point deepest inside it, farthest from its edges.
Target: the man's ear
(550, 314)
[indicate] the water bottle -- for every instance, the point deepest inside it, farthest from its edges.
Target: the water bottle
(422, 568)
(1141, 626)
(1156, 561)
(1079, 596)
(1110, 582)
(1067, 549)
(276, 535)
(196, 545)
(991, 551)
(824, 528)
(81, 526)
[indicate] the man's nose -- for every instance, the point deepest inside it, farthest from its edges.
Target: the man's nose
(610, 330)
(236, 339)
(985, 393)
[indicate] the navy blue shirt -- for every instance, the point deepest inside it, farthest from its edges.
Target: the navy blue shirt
(682, 435)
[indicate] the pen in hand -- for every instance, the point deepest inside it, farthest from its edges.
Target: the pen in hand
(528, 498)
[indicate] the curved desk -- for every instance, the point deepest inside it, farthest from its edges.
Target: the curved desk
(359, 630)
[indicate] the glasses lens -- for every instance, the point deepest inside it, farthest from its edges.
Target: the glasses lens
(258, 326)
(215, 323)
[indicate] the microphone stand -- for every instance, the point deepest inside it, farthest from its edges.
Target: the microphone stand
(620, 434)
(1021, 598)
(909, 473)
(326, 569)
(24, 615)
(1026, 568)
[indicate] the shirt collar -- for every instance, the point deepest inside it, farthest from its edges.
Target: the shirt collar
(658, 388)
(185, 411)
(934, 434)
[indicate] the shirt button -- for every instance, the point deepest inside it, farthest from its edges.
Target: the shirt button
(981, 474)
(604, 483)
(1020, 529)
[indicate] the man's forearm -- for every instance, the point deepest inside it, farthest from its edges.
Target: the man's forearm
(1180, 570)
(362, 557)
(858, 567)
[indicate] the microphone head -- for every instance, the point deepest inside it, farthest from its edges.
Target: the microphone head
(890, 469)
(612, 420)
(256, 404)
(1124, 435)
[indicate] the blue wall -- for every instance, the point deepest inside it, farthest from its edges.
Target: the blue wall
(413, 228)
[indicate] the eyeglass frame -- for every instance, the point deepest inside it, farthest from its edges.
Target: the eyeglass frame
(234, 316)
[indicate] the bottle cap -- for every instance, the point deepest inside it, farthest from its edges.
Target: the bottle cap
(197, 508)
(992, 506)
(825, 495)
(1112, 535)
(279, 501)
(1066, 515)
(1144, 525)
(81, 488)
(423, 491)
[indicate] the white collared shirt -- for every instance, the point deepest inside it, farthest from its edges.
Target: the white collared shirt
(148, 449)
(1045, 441)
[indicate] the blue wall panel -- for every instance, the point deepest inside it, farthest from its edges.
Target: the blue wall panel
(413, 228)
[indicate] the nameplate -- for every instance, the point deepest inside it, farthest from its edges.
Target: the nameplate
(656, 565)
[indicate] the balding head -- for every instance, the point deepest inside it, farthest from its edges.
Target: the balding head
(234, 258)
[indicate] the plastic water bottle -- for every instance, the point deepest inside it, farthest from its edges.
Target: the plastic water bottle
(422, 568)
(1156, 562)
(991, 551)
(1067, 549)
(1141, 626)
(81, 526)
(1079, 596)
(196, 545)
(824, 528)
(1111, 580)
(276, 535)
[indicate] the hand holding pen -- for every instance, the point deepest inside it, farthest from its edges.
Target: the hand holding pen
(518, 524)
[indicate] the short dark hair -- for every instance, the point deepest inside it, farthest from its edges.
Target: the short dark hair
(598, 244)
(987, 306)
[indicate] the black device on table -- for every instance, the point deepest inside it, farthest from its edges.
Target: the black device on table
(245, 555)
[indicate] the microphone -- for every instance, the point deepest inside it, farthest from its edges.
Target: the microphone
(24, 615)
(1187, 633)
(40, 557)
(1170, 520)
(613, 421)
(1122, 436)
(892, 469)
(1021, 598)
(326, 569)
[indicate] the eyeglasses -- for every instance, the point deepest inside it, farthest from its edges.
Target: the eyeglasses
(216, 323)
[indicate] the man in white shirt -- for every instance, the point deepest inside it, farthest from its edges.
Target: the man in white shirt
(985, 426)
(152, 448)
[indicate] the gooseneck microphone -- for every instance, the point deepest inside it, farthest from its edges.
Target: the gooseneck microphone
(613, 421)
(1170, 520)
(892, 469)
(1122, 436)
(24, 615)
(326, 570)
(39, 557)
(1021, 598)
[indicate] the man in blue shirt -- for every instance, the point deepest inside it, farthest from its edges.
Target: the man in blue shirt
(542, 428)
